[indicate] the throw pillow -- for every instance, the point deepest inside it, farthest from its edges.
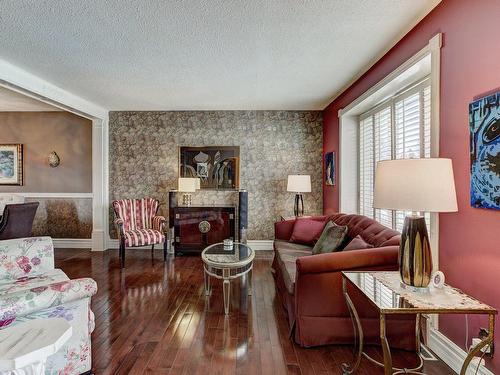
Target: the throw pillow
(332, 239)
(357, 243)
(307, 231)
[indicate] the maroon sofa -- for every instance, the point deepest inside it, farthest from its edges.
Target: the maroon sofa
(310, 286)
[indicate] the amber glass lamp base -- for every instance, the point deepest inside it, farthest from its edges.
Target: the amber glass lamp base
(415, 257)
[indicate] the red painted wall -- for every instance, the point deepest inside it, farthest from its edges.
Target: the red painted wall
(470, 65)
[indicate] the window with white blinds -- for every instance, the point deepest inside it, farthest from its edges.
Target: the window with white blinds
(366, 171)
(398, 128)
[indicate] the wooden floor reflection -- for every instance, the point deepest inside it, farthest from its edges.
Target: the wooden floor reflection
(153, 318)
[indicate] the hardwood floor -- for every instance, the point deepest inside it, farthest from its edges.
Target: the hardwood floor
(153, 318)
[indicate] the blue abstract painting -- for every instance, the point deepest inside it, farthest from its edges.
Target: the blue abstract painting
(484, 125)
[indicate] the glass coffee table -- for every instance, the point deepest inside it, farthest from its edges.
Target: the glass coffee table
(227, 264)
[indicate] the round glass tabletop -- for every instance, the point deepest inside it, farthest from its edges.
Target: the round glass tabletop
(236, 256)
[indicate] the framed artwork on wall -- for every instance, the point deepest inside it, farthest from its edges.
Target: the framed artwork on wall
(484, 127)
(217, 167)
(330, 168)
(11, 164)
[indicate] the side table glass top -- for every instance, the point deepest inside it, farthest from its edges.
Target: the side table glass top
(385, 291)
(217, 254)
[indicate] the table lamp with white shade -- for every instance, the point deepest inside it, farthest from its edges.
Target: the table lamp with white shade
(299, 183)
(188, 185)
(416, 185)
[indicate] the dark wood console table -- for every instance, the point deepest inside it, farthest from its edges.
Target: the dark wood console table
(196, 227)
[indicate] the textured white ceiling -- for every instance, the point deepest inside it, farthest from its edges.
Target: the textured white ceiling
(11, 101)
(202, 54)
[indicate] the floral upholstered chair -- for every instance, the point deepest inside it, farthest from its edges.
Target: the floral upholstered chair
(138, 225)
(31, 288)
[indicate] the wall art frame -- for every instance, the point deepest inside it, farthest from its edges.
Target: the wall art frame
(11, 164)
(217, 167)
(484, 129)
(330, 168)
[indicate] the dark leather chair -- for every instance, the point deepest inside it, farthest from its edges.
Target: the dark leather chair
(17, 220)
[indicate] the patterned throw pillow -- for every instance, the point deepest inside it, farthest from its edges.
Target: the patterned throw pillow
(332, 239)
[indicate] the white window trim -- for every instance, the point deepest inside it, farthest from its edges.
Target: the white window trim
(349, 137)
(390, 103)
(349, 134)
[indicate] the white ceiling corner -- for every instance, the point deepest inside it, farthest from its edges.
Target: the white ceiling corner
(202, 54)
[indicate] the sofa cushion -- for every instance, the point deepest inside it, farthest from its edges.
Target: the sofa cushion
(357, 243)
(285, 245)
(141, 237)
(307, 231)
(332, 239)
(287, 254)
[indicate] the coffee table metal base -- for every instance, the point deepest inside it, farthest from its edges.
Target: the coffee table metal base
(226, 276)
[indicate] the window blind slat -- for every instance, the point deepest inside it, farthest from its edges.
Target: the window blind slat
(399, 130)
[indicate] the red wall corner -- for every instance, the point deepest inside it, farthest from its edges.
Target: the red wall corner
(470, 65)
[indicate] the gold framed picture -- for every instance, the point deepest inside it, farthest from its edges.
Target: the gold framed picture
(217, 167)
(11, 164)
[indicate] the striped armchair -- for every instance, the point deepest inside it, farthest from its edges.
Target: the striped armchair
(138, 224)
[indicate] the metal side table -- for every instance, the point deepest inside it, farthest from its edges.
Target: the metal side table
(384, 291)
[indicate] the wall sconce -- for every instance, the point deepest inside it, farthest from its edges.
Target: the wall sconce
(54, 159)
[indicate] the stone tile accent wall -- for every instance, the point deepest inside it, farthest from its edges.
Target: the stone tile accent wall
(144, 158)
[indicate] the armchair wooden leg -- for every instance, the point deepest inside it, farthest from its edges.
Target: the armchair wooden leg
(152, 251)
(122, 254)
(165, 247)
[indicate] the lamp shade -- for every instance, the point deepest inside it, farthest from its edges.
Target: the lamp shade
(188, 185)
(299, 183)
(415, 185)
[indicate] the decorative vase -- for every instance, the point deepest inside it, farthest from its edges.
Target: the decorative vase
(415, 257)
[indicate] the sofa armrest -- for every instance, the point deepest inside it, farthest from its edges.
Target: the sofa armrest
(348, 260)
(318, 283)
(25, 257)
(25, 302)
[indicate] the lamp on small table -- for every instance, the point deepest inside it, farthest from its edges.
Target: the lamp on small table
(187, 186)
(416, 185)
(299, 183)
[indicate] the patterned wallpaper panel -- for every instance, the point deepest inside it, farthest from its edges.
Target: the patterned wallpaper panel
(144, 157)
(63, 217)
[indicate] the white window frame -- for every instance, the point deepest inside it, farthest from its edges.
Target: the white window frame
(348, 131)
(412, 89)
(429, 56)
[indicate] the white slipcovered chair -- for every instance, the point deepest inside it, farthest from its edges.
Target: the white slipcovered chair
(31, 288)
